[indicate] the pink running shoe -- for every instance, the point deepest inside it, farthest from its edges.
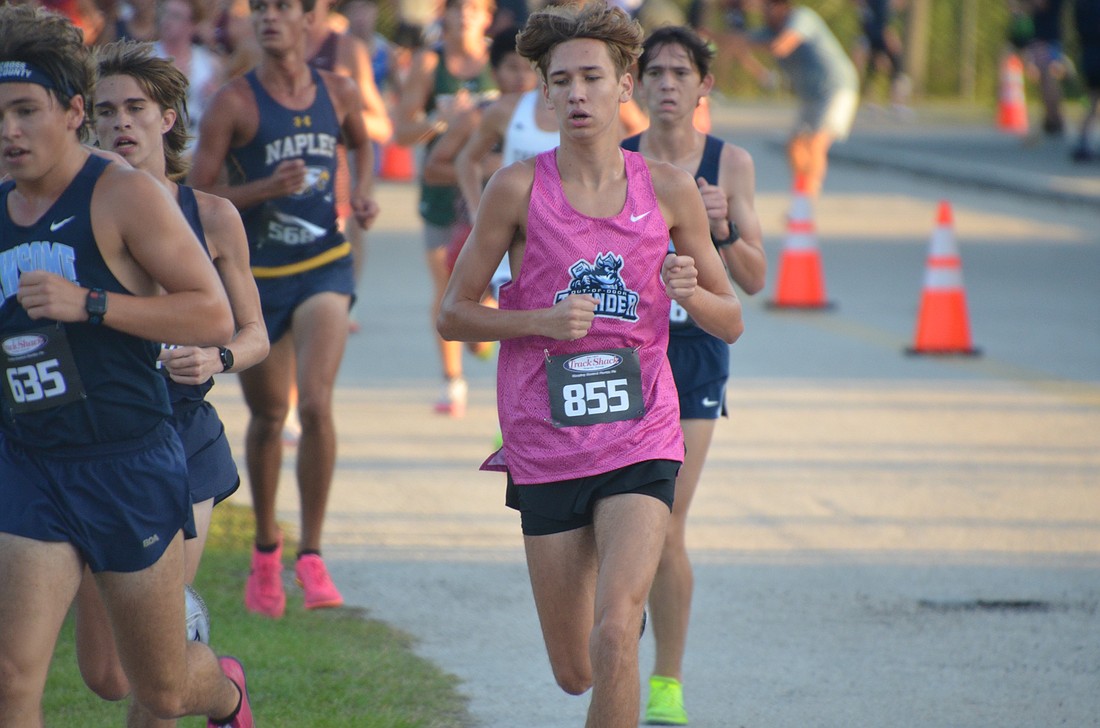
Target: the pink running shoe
(316, 583)
(263, 592)
(234, 670)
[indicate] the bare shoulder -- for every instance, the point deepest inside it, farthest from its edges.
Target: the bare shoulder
(736, 172)
(668, 179)
(735, 158)
(119, 181)
(119, 191)
(336, 83)
(106, 154)
(516, 177)
(215, 211)
(221, 223)
(235, 94)
(341, 88)
(236, 108)
(350, 49)
(509, 189)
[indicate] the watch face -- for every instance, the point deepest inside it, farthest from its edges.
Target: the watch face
(96, 303)
(227, 358)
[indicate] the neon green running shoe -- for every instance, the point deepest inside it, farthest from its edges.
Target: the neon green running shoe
(666, 702)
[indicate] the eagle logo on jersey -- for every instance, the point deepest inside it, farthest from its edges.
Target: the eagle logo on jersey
(602, 278)
(317, 181)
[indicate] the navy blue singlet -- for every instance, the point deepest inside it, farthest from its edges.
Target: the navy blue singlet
(708, 170)
(301, 226)
(115, 392)
(177, 392)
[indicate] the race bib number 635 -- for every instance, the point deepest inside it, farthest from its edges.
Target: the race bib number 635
(39, 370)
(594, 388)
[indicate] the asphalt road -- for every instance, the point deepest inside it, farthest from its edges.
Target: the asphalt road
(879, 539)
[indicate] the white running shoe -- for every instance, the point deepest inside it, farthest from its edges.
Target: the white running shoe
(292, 429)
(198, 616)
(453, 400)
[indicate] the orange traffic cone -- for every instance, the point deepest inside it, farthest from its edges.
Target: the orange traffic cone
(1011, 106)
(701, 118)
(397, 163)
(942, 324)
(800, 282)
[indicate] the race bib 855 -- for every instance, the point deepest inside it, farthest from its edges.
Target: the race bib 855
(595, 388)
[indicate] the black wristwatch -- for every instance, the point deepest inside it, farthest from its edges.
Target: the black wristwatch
(732, 238)
(227, 358)
(96, 305)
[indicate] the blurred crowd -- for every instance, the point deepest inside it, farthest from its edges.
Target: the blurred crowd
(212, 41)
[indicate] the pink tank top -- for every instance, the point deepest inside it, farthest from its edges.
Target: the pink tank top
(617, 259)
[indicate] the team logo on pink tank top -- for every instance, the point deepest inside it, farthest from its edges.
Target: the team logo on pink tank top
(602, 278)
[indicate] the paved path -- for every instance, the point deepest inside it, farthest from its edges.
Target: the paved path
(879, 540)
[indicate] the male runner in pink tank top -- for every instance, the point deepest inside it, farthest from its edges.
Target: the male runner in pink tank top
(588, 407)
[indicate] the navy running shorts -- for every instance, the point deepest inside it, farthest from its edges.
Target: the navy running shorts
(279, 297)
(211, 469)
(119, 504)
(565, 505)
(700, 367)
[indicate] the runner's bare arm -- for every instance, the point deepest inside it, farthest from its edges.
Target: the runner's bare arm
(147, 252)
(349, 108)
(228, 245)
(356, 58)
(712, 302)
(441, 164)
(233, 123)
(502, 222)
(745, 258)
(411, 124)
(470, 163)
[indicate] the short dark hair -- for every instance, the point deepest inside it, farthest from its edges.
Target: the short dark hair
(503, 43)
(51, 43)
(698, 50)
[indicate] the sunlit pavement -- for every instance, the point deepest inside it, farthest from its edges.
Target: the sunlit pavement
(879, 539)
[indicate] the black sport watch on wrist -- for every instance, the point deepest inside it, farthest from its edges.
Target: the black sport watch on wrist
(733, 237)
(96, 305)
(227, 358)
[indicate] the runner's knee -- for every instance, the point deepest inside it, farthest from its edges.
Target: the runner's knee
(314, 411)
(163, 700)
(108, 682)
(269, 421)
(574, 678)
(17, 686)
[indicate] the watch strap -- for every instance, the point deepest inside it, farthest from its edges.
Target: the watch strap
(733, 237)
(226, 357)
(95, 304)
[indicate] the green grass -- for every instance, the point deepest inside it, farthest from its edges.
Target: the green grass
(331, 667)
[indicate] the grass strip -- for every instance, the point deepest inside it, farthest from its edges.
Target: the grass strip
(325, 668)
